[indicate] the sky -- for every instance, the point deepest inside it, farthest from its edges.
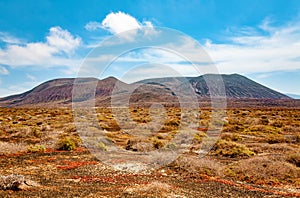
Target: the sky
(43, 40)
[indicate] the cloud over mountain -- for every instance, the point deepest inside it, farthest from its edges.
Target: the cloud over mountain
(56, 50)
(117, 22)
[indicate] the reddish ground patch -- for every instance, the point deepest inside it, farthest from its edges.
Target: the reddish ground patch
(74, 164)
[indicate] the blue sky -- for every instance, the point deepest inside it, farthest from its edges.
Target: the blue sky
(42, 40)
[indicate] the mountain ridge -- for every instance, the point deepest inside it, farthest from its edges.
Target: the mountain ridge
(59, 91)
(231, 83)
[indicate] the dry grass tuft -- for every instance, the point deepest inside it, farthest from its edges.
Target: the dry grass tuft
(294, 159)
(199, 166)
(10, 148)
(264, 170)
(231, 149)
(155, 189)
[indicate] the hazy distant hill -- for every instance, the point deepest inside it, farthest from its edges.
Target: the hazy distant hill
(59, 91)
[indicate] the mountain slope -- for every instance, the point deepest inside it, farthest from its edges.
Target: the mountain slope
(236, 86)
(295, 96)
(59, 91)
(50, 91)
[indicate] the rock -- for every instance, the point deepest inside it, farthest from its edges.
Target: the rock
(16, 182)
(11, 182)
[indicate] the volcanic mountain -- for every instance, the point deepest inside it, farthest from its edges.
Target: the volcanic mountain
(58, 92)
(236, 86)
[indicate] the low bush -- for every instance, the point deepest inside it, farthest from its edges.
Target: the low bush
(264, 170)
(158, 143)
(102, 146)
(9, 148)
(139, 145)
(36, 149)
(231, 137)
(274, 139)
(277, 123)
(198, 137)
(36, 132)
(173, 122)
(294, 159)
(198, 166)
(66, 144)
(156, 189)
(231, 149)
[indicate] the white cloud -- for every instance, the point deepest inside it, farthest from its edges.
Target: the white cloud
(247, 50)
(30, 77)
(60, 44)
(62, 40)
(118, 22)
(276, 49)
(6, 38)
(3, 70)
(261, 49)
(93, 25)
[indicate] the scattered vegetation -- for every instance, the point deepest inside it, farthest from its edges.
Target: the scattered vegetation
(264, 170)
(198, 166)
(259, 146)
(294, 159)
(36, 148)
(231, 137)
(66, 144)
(156, 189)
(10, 148)
(231, 149)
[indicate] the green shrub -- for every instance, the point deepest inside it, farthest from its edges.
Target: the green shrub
(277, 123)
(231, 137)
(171, 146)
(274, 139)
(36, 149)
(70, 129)
(36, 132)
(173, 122)
(66, 144)
(102, 146)
(158, 144)
(198, 137)
(231, 149)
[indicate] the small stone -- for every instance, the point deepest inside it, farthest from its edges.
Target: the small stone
(16, 182)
